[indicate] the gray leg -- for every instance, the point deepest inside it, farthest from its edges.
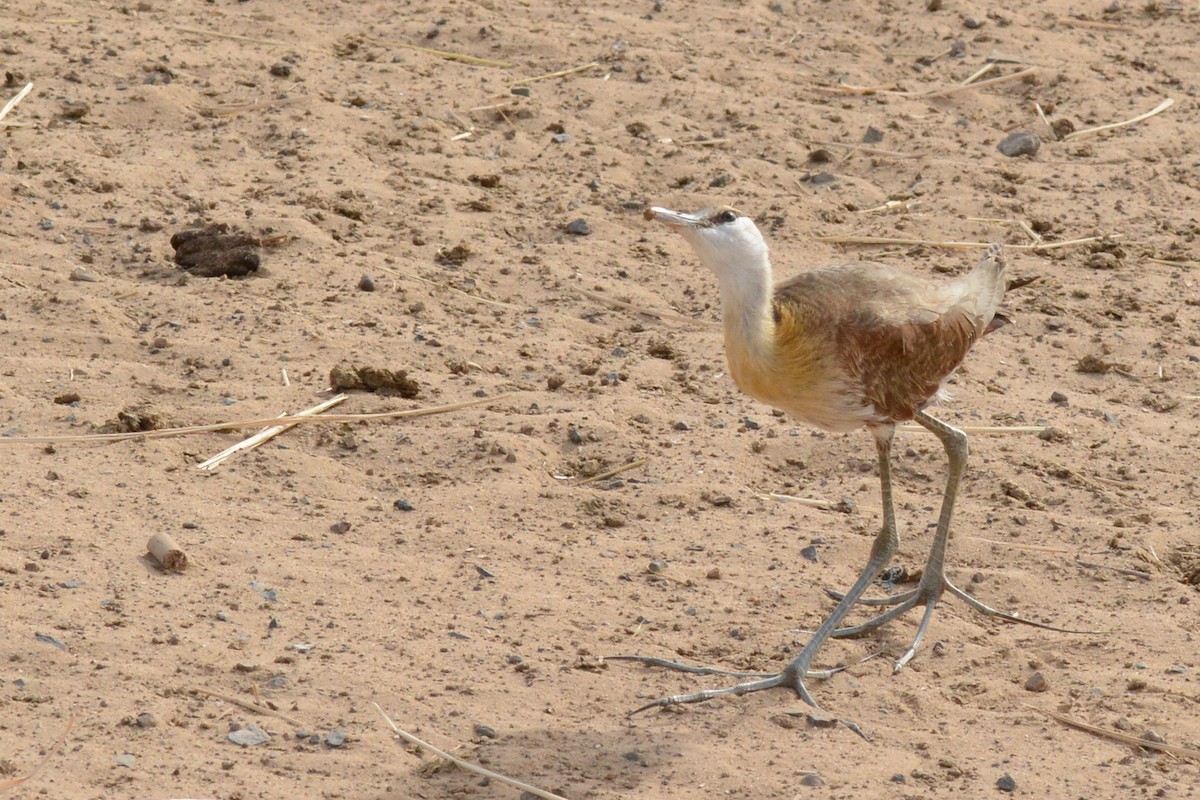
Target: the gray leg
(793, 675)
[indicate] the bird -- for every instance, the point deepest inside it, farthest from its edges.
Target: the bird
(844, 347)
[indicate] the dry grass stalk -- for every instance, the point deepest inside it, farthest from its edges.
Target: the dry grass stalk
(980, 428)
(1134, 573)
(615, 471)
(1042, 116)
(979, 73)
(562, 73)
(248, 706)
(891, 206)
(253, 105)
(695, 142)
(166, 433)
(1168, 262)
(649, 312)
(1025, 73)
(811, 502)
(11, 104)
(1037, 548)
(871, 151)
(1124, 738)
(849, 88)
(960, 245)
(475, 297)
(1091, 23)
(233, 36)
(266, 434)
(1158, 109)
(461, 57)
(12, 783)
(467, 765)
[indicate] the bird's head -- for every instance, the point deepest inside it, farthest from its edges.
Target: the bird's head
(727, 241)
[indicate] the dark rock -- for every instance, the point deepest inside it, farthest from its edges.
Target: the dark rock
(1006, 783)
(1020, 143)
(366, 283)
(578, 227)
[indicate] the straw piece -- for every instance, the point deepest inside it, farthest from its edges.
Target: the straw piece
(266, 434)
(234, 36)
(246, 704)
(961, 245)
(981, 428)
(811, 502)
(979, 73)
(562, 73)
(1158, 109)
(1037, 548)
(649, 312)
(1124, 738)
(874, 151)
(164, 433)
(13, 783)
(1025, 73)
(462, 57)
(1091, 23)
(11, 104)
(467, 765)
(616, 471)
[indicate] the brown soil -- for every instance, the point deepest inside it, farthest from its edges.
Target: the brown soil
(478, 618)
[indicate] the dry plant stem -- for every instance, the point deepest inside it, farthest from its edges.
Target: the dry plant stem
(254, 105)
(1042, 116)
(960, 245)
(649, 312)
(1025, 73)
(617, 471)
(11, 104)
(1135, 573)
(13, 783)
(248, 706)
(562, 73)
(811, 502)
(1037, 548)
(1124, 738)
(1090, 23)
(467, 765)
(266, 434)
(874, 151)
(233, 36)
(973, 429)
(979, 73)
(461, 57)
(166, 433)
(1158, 109)
(475, 297)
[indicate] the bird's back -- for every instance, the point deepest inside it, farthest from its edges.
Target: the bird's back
(883, 340)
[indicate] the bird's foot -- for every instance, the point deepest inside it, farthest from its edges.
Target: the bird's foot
(927, 594)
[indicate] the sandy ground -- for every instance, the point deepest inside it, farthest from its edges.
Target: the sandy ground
(478, 619)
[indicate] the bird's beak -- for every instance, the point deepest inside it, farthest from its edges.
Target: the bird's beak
(676, 219)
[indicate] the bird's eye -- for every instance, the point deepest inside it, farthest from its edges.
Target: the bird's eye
(726, 216)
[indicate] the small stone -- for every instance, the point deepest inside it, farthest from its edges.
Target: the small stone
(809, 553)
(657, 567)
(249, 736)
(933, 5)
(46, 224)
(812, 779)
(873, 135)
(366, 284)
(1103, 260)
(899, 777)
(125, 760)
(819, 720)
(681, 426)
(81, 275)
(282, 69)
(340, 527)
(555, 382)
(1037, 682)
(1020, 143)
(614, 522)
(823, 178)
(721, 180)
(402, 505)
(1153, 736)
(971, 24)
(486, 731)
(721, 500)
(521, 91)
(147, 720)
(714, 574)
(561, 138)
(1058, 398)
(1006, 783)
(578, 227)
(335, 738)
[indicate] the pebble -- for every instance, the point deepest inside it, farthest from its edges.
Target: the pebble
(1058, 398)
(46, 224)
(818, 720)
(1020, 143)
(658, 566)
(125, 760)
(402, 505)
(335, 738)
(147, 720)
(873, 135)
(721, 180)
(561, 138)
(1005, 783)
(822, 178)
(1103, 260)
(812, 779)
(486, 731)
(1037, 682)
(82, 276)
(681, 426)
(578, 227)
(522, 91)
(366, 283)
(249, 736)
(282, 69)
(714, 574)
(809, 553)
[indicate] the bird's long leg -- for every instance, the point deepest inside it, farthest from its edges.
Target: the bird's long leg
(934, 580)
(884, 547)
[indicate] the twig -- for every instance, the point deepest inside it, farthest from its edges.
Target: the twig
(874, 151)
(447, 287)
(1037, 548)
(1136, 573)
(1158, 109)
(1091, 23)
(13, 783)
(11, 104)
(467, 765)
(649, 312)
(1170, 263)
(616, 471)
(253, 105)
(283, 374)
(234, 36)
(266, 434)
(811, 502)
(849, 88)
(1025, 73)
(246, 704)
(979, 73)
(461, 57)
(1042, 116)
(560, 74)
(980, 428)
(165, 433)
(897, 206)
(961, 245)
(1124, 738)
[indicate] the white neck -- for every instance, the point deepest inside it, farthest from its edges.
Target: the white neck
(746, 307)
